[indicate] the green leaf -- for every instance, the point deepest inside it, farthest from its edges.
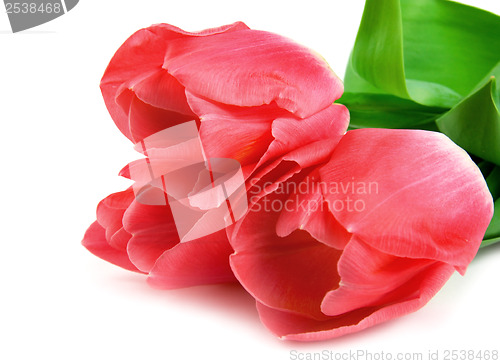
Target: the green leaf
(430, 51)
(378, 52)
(492, 235)
(430, 93)
(488, 242)
(486, 168)
(448, 43)
(493, 181)
(369, 110)
(474, 124)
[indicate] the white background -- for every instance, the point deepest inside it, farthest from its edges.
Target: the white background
(60, 154)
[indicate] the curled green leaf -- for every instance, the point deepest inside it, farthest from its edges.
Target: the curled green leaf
(474, 124)
(370, 110)
(430, 51)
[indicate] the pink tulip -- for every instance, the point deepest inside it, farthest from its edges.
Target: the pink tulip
(239, 84)
(256, 97)
(369, 236)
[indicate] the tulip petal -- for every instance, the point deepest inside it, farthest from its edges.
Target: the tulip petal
(138, 63)
(371, 278)
(145, 120)
(255, 136)
(120, 239)
(106, 238)
(95, 242)
(228, 131)
(408, 182)
(299, 144)
(288, 273)
(268, 179)
(252, 68)
(278, 271)
(166, 30)
(144, 51)
(312, 154)
(163, 91)
(153, 232)
(110, 214)
(308, 141)
(305, 209)
(119, 116)
(291, 326)
(196, 262)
